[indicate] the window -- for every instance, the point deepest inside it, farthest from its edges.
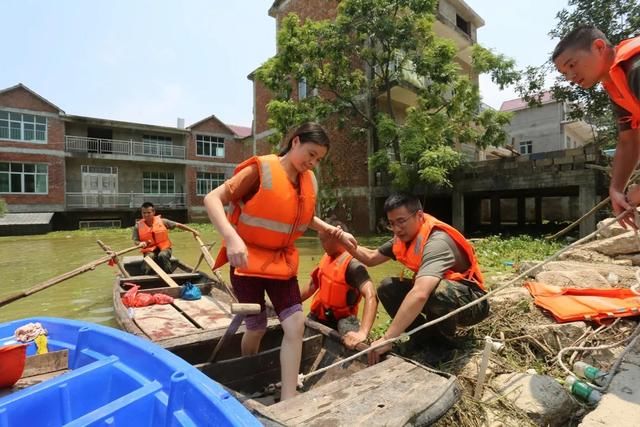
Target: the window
(23, 127)
(526, 147)
(568, 142)
(302, 89)
(158, 183)
(23, 178)
(463, 24)
(207, 181)
(209, 146)
(157, 145)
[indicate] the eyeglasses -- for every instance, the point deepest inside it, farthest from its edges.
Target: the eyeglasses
(400, 222)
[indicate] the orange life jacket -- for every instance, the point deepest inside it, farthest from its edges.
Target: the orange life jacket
(156, 236)
(330, 276)
(618, 88)
(591, 304)
(411, 255)
(270, 222)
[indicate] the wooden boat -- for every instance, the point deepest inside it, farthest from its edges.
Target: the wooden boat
(191, 321)
(95, 375)
(396, 391)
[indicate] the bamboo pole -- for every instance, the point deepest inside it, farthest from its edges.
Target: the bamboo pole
(44, 285)
(114, 257)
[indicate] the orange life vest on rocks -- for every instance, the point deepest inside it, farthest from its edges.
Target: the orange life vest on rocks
(411, 255)
(270, 222)
(618, 89)
(591, 304)
(156, 236)
(333, 288)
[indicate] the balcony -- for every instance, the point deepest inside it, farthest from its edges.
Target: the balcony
(81, 144)
(123, 200)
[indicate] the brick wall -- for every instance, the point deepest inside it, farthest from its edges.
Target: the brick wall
(56, 181)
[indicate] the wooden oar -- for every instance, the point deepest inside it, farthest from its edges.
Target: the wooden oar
(63, 277)
(210, 261)
(115, 259)
(160, 272)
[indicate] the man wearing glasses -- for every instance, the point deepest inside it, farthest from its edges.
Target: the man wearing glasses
(446, 274)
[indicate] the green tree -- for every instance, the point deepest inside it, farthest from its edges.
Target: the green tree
(619, 20)
(356, 60)
(3, 207)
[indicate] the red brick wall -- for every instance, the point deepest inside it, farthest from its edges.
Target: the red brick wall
(313, 9)
(235, 151)
(23, 99)
(56, 181)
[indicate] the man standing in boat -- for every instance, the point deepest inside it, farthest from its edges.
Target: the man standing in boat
(446, 275)
(153, 232)
(338, 285)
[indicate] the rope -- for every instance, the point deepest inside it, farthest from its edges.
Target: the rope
(405, 336)
(614, 368)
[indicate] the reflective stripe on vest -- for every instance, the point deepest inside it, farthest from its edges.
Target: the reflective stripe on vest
(618, 88)
(272, 219)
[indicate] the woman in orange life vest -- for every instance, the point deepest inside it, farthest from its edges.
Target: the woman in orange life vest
(585, 57)
(446, 270)
(339, 283)
(272, 200)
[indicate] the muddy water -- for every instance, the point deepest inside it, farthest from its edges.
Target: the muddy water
(29, 260)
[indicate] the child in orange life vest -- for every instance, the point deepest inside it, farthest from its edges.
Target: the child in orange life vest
(153, 232)
(447, 275)
(272, 200)
(339, 283)
(585, 57)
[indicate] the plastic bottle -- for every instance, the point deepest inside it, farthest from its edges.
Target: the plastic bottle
(591, 373)
(582, 390)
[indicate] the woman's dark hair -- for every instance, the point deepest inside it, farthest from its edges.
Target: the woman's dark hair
(308, 132)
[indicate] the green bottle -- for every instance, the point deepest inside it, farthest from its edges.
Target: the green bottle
(591, 373)
(582, 390)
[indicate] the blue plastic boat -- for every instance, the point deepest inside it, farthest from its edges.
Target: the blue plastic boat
(116, 379)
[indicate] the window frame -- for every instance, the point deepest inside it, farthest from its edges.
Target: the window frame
(527, 145)
(38, 124)
(158, 181)
(207, 180)
(209, 145)
(22, 173)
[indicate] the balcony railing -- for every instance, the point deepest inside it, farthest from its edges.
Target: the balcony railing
(123, 200)
(82, 144)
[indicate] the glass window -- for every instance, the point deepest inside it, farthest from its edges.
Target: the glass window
(22, 127)
(158, 182)
(207, 181)
(209, 146)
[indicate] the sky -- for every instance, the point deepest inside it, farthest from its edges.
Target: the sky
(152, 61)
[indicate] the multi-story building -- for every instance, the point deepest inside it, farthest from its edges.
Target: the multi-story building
(545, 127)
(91, 171)
(363, 191)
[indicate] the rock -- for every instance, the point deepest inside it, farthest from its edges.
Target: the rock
(626, 243)
(523, 266)
(470, 369)
(508, 298)
(348, 324)
(614, 229)
(634, 258)
(625, 274)
(544, 400)
(551, 334)
(613, 278)
(584, 255)
(573, 278)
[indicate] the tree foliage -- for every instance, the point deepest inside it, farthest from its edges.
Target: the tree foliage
(619, 20)
(355, 61)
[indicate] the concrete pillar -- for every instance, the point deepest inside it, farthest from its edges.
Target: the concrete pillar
(522, 213)
(457, 210)
(587, 199)
(495, 213)
(538, 207)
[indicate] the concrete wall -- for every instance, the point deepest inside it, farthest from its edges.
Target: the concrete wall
(540, 125)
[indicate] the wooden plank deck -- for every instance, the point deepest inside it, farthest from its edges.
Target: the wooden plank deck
(162, 321)
(393, 392)
(206, 312)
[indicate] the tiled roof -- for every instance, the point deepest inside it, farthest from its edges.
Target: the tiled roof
(521, 104)
(241, 131)
(26, 218)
